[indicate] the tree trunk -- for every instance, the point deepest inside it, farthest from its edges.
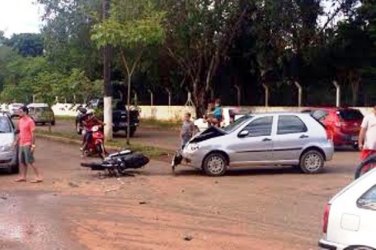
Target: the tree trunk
(354, 80)
(128, 108)
(107, 100)
(200, 100)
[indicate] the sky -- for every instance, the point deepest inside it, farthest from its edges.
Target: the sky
(19, 16)
(23, 16)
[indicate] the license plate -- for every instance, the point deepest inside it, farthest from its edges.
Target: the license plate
(354, 138)
(122, 124)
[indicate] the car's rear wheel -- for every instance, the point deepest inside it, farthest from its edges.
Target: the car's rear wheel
(53, 123)
(312, 162)
(215, 164)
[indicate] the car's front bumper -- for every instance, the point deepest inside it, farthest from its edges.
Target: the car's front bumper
(194, 158)
(324, 244)
(8, 159)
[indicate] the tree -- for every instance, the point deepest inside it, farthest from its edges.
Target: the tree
(67, 35)
(132, 27)
(200, 32)
(27, 44)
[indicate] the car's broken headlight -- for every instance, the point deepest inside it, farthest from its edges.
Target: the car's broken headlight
(193, 147)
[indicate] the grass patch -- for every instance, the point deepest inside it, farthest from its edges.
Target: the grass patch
(65, 118)
(172, 124)
(149, 151)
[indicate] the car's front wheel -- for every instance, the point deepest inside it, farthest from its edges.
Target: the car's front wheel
(312, 162)
(361, 248)
(215, 164)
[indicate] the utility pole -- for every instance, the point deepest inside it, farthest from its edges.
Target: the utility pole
(107, 99)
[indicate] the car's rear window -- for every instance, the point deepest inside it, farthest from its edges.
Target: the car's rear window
(350, 114)
(290, 124)
(5, 125)
(368, 200)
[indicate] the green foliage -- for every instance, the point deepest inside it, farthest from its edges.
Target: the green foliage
(132, 25)
(27, 44)
(196, 45)
(67, 35)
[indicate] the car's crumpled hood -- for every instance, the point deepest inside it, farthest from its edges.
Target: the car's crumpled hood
(6, 139)
(209, 133)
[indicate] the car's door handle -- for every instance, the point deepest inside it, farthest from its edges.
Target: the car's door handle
(303, 136)
(266, 139)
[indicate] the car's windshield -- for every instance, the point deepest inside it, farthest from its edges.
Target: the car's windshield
(5, 126)
(237, 123)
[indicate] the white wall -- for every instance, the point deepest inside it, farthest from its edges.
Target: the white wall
(176, 112)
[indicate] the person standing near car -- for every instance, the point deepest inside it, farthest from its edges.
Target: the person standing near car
(187, 129)
(26, 140)
(367, 135)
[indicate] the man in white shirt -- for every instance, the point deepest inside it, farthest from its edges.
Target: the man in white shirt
(367, 135)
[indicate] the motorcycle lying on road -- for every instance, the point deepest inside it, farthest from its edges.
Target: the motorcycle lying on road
(116, 164)
(95, 146)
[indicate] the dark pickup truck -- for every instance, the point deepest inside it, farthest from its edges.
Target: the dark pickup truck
(119, 117)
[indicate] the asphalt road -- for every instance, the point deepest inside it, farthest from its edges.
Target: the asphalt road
(251, 208)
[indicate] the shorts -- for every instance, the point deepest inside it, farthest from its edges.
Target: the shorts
(26, 155)
(365, 153)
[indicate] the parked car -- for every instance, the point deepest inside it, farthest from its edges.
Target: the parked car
(342, 123)
(350, 217)
(119, 116)
(41, 113)
(13, 109)
(8, 153)
(262, 139)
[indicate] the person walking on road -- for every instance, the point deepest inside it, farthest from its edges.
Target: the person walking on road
(26, 140)
(367, 135)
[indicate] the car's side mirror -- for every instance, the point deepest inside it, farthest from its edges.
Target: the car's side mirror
(243, 133)
(17, 131)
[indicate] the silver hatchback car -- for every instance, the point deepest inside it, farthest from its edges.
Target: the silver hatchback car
(295, 139)
(8, 153)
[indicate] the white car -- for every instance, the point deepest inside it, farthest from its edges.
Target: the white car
(350, 217)
(14, 107)
(230, 114)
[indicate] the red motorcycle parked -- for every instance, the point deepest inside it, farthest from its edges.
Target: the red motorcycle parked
(95, 146)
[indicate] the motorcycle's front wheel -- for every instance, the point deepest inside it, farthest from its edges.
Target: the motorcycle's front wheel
(101, 151)
(365, 166)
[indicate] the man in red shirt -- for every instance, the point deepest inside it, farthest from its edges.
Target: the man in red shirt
(26, 140)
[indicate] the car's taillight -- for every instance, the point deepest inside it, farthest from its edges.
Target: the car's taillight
(326, 219)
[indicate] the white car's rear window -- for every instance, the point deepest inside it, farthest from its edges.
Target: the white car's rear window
(368, 200)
